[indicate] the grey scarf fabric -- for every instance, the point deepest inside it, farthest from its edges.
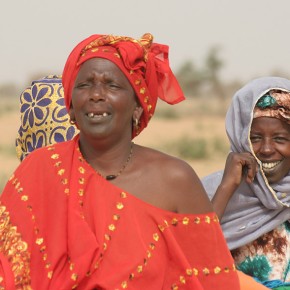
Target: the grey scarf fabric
(257, 208)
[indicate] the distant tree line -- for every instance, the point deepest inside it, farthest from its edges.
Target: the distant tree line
(195, 81)
(206, 81)
(9, 90)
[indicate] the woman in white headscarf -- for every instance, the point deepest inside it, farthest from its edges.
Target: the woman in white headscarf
(252, 194)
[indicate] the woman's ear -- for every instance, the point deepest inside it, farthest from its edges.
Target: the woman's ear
(136, 119)
(71, 115)
(137, 113)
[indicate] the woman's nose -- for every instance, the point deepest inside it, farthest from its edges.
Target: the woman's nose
(97, 93)
(267, 147)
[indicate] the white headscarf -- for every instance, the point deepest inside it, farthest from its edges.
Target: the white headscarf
(257, 208)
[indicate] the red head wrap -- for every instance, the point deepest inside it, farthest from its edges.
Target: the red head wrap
(144, 63)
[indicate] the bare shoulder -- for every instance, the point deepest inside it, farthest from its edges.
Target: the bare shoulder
(174, 180)
(173, 168)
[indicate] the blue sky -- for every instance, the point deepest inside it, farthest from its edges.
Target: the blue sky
(36, 36)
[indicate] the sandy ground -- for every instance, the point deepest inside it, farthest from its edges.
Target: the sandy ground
(9, 124)
(162, 131)
(159, 132)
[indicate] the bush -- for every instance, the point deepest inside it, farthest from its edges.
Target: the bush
(3, 181)
(168, 113)
(188, 148)
(7, 150)
(220, 146)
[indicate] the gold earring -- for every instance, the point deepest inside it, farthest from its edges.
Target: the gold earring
(72, 122)
(136, 127)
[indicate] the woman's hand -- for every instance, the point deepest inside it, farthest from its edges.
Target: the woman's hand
(238, 166)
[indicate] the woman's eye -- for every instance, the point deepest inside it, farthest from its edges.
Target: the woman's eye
(82, 85)
(255, 138)
(113, 85)
(280, 139)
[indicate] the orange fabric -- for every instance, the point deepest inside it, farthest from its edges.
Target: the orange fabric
(248, 282)
(280, 109)
(144, 63)
(69, 228)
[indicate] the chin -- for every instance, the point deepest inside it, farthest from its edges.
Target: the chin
(275, 179)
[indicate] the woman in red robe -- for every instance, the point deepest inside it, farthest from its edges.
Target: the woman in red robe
(100, 212)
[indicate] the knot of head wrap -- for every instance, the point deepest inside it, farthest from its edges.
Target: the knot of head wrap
(144, 63)
(44, 118)
(274, 104)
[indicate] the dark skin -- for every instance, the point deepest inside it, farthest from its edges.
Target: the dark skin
(104, 107)
(270, 138)
(238, 166)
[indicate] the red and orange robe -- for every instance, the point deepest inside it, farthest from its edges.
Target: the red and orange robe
(62, 226)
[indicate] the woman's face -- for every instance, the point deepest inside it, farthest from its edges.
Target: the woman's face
(103, 100)
(270, 139)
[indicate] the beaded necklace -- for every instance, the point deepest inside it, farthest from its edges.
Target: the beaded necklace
(114, 176)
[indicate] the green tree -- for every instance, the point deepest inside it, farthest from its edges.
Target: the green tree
(213, 66)
(8, 90)
(190, 79)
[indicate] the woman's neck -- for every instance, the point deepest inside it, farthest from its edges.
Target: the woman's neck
(109, 160)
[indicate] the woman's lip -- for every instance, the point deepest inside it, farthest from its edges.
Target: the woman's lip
(98, 118)
(270, 165)
(93, 115)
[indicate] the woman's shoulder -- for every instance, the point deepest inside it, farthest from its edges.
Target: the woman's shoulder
(158, 159)
(175, 179)
(211, 182)
(41, 157)
(60, 147)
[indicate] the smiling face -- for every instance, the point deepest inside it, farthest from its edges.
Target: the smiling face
(103, 101)
(270, 139)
